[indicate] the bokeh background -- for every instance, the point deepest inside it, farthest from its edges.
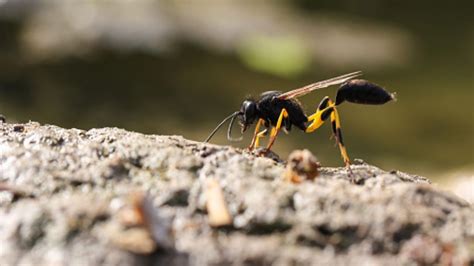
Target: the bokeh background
(179, 67)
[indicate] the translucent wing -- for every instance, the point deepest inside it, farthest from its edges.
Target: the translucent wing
(318, 85)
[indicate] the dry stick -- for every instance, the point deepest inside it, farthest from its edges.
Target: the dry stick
(16, 191)
(216, 206)
(152, 220)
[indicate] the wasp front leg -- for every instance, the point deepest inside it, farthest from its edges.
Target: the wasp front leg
(257, 135)
(261, 134)
(276, 129)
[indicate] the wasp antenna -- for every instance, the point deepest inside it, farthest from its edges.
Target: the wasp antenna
(229, 130)
(220, 125)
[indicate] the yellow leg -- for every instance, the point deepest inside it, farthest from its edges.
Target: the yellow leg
(326, 108)
(321, 114)
(261, 134)
(254, 142)
(336, 128)
(317, 119)
(276, 129)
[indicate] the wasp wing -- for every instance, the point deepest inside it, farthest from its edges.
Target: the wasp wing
(318, 85)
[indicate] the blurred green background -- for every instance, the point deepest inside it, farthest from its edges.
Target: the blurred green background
(179, 67)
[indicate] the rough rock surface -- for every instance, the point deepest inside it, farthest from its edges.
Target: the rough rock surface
(112, 197)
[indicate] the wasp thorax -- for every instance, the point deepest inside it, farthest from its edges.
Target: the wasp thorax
(248, 111)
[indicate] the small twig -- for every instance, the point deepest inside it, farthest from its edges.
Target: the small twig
(16, 191)
(216, 205)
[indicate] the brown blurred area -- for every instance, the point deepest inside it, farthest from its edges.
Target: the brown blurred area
(179, 67)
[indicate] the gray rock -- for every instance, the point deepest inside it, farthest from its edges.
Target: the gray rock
(66, 198)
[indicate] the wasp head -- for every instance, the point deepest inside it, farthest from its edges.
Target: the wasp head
(248, 114)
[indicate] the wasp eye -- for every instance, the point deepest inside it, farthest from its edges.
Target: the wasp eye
(249, 113)
(249, 109)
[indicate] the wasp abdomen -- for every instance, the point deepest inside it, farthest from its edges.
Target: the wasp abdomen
(363, 92)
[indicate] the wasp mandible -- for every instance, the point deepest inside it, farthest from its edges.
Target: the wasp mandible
(275, 110)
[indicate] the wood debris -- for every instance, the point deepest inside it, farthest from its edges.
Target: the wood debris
(216, 205)
(16, 191)
(302, 165)
(139, 227)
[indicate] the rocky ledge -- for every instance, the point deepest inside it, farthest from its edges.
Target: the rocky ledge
(113, 197)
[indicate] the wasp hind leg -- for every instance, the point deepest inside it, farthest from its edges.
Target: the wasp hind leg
(322, 113)
(336, 130)
(327, 109)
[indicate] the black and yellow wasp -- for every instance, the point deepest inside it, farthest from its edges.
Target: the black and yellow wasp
(277, 110)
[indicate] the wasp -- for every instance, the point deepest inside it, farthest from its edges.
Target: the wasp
(277, 111)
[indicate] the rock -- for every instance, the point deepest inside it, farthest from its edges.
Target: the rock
(112, 197)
